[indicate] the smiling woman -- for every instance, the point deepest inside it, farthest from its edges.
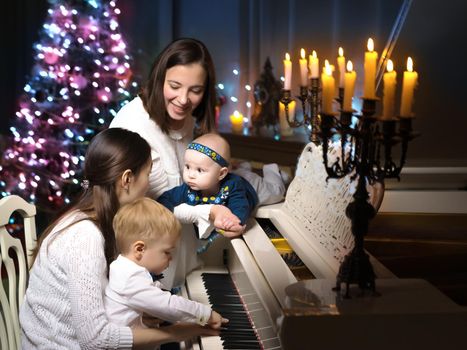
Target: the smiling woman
(178, 96)
(183, 92)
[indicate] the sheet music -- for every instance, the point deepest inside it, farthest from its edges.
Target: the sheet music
(318, 206)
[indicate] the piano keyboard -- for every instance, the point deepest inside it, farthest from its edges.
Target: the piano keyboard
(223, 297)
(248, 327)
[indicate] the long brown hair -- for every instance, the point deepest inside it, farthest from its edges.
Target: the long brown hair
(183, 51)
(109, 154)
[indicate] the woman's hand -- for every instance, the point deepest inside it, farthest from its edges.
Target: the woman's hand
(232, 234)
(150, 321)
(223, 219)
(184, 331)
(148, 338)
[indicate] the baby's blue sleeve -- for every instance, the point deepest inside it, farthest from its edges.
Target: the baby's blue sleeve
(240, 201)
(174, 197)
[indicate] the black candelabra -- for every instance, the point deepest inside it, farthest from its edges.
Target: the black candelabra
(366, 155)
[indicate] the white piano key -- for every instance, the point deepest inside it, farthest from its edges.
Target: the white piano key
(211, 343)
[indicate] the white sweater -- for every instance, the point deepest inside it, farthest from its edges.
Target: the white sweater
(167, 151)
(131, 292)
(64, 305)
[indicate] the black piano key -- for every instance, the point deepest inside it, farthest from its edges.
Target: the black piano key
(234, 340)
(236, 323)
(237, 328)
(235, 345)
(238, 333)
(230, 309)
(232, 299)
(235, 336)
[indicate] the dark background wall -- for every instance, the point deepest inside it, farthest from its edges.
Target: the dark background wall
(241, 34)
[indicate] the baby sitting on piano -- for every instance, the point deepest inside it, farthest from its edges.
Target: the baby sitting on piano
(207, 180)
(146, 233)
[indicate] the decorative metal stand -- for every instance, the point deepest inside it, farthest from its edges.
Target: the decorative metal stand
(310, 98)
(267, 92)
(366, 155)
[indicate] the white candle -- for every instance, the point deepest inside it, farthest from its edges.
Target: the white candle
(236, 119)
(328, 84)
(389, 91)
(285, 129)
(349, 86)
(287, 72)
(408, 85)
(303, 69)
(370, 70)
(313, 65)
(341, 65)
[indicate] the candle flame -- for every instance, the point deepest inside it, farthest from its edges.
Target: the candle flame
(287, 56)
(314, 54)
(409, 64)
(341, 52)
(390, 66)
(349, 66)
(327, 68)
(302, 53)
(236, 113)
(370, 45)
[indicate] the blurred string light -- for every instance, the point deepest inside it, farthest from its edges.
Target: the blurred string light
(81, 77)
(230, 91)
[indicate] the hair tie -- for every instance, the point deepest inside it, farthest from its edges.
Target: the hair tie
(85, 184)
(209, 152)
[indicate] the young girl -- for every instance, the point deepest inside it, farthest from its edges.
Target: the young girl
(63, 307)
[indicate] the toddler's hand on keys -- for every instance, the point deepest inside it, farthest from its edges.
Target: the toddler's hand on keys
(216, 320)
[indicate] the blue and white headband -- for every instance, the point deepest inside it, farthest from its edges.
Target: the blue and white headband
(209, 152)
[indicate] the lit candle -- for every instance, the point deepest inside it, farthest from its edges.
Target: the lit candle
(370, 70)
(285, 128)
(313, 65)
(327, 81)
(349, 86)
(408, 85)
(389, 91)
(287, 72)
(341, 65)
(303, 69)
(326, 64)
(236, 119)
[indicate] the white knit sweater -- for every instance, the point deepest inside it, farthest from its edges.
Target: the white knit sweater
(63, 307)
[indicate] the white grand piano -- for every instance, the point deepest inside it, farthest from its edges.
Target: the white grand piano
(275, 283)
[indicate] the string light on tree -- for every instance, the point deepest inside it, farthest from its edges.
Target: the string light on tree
(80, 78)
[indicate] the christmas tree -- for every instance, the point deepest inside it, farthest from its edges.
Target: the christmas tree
(80, 78)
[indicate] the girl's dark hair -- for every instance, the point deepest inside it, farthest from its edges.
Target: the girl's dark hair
(109, 154)
(183, 51)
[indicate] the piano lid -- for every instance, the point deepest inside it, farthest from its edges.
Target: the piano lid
(313, 219)
(317, 228)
